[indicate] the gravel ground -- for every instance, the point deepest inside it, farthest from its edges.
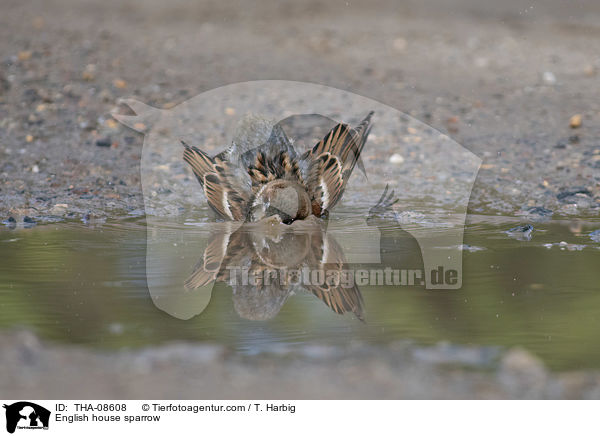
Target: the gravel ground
(510, 82)
(31, 369)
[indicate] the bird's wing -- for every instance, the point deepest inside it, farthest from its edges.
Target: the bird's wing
(221, 183)
(227, 248)
(207, 269)
(338, 293)
(331, 161)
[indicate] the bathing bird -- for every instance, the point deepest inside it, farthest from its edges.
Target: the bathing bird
(251, 182)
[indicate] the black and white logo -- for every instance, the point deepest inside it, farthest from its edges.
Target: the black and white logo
(26, 415)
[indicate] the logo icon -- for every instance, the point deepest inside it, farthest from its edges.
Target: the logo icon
(26, 415)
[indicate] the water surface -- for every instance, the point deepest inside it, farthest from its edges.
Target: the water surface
(86, 284)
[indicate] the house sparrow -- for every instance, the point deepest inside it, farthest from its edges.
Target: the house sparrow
(250, 183)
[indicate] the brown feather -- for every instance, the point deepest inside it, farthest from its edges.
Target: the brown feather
(331, 162)
(327, 256)
(222, 193)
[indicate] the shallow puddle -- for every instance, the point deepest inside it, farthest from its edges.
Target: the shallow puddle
(87, 284)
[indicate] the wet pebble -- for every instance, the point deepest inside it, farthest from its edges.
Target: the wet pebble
(566, 194)
(565, 246)
(28, 222)
(536, 213)
(522, 233)
(10, 222)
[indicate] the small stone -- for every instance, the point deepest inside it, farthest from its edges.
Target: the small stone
(59, 209)
(139, 127)
(89, 73)
(35, 169)
(111, 124)
(549, 78)
(11, 223)
(120, 83)
(396, 159)
(24, 55)
(103, 142)
(521, 233)
(569, 209)
(537, 213)
(31, 95)
(229, 111)
(28, 221)
(567, 194)
(575, 121)
(589, 70)
(29, 138)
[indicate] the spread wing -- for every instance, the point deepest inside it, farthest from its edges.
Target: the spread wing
(224, 185)
(331, 161)
(337, 292)
(207, 269)
(226, 248)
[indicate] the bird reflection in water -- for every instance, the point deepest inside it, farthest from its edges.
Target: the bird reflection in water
(265, 264)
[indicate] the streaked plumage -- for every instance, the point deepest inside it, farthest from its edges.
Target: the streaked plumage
(258, 252)
(249, 184)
